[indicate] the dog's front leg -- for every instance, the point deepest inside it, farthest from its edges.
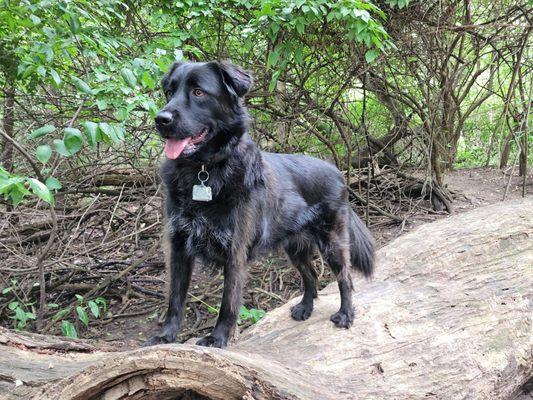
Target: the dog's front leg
(180, 266)
(234, 279)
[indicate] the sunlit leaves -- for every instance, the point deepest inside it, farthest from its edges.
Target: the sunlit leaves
(300, 21)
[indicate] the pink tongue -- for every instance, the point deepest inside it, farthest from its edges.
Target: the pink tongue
(174, 147)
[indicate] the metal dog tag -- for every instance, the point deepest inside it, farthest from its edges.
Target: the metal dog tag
(201, 192)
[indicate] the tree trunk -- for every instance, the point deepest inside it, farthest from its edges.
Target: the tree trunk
(448, 316)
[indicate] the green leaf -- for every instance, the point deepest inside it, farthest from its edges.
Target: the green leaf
(300, 27)
(17, 193)
(147, 80)
(113, 132)
(91, 133)
(20, 315)
(55, 77)
(128, 77)
(52, 183)
(43, 153)
(101, 302)
(41, 190)
(94, 308)
(60, 147)
(273, 57)
(79, 297)
(68, 329)
(256, 314)
(101, 104)
(74, 23)
(43, 130)
(371, 55)
(13, 305)
(82, 315)
(35, 19)
(60, 314)
(6, 290)
(81, 85)
(41, 71)
(274, 81)
(73, 140)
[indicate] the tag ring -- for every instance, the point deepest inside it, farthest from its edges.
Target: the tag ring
(203, 174)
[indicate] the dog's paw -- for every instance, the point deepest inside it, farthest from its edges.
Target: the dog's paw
(158, 339)
(300, 312)
(342, 319)
(212, 341)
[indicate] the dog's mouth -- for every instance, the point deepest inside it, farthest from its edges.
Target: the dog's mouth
(174, 147)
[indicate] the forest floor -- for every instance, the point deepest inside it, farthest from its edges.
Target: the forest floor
(97, 247)
(276, 279)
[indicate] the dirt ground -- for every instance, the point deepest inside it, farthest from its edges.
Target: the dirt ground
(274, 279)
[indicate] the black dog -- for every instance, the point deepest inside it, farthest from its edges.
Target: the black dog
(259, 200)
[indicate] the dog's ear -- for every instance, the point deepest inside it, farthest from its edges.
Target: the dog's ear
(235, 78)
(166, 77)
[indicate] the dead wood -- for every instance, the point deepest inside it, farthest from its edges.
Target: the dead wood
(448, 316)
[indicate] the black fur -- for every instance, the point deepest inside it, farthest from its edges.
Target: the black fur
(261, 201)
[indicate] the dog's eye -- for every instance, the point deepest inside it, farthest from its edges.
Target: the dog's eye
(168, 93)
(198, 92)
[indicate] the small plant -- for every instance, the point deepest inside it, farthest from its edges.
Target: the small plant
(252, 314)
(96, 307)
(19, 310)
(20, 315)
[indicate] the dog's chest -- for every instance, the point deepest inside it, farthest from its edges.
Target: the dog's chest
(206, 228)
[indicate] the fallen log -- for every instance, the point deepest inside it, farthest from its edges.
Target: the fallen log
(448, 316)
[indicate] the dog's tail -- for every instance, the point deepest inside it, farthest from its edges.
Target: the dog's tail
(361, 245)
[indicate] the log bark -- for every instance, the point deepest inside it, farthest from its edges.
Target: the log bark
(448, 316)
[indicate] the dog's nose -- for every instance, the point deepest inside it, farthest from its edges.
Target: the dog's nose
(163, 118)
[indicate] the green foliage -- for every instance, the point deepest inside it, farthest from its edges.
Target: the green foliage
(96, 306)
(15, 188)
(18, 311)
(88, 51)
(253, 315)
(68, 329)
(77, 47)
(20, 315)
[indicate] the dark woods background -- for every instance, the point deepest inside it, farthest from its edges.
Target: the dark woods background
(396, 93)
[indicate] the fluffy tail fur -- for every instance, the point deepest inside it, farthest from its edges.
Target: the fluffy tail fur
(361, 246)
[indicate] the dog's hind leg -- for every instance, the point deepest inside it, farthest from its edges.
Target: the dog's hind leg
(300, 252)
(336, 251)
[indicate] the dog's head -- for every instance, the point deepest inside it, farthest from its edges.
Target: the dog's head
(204, 105)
